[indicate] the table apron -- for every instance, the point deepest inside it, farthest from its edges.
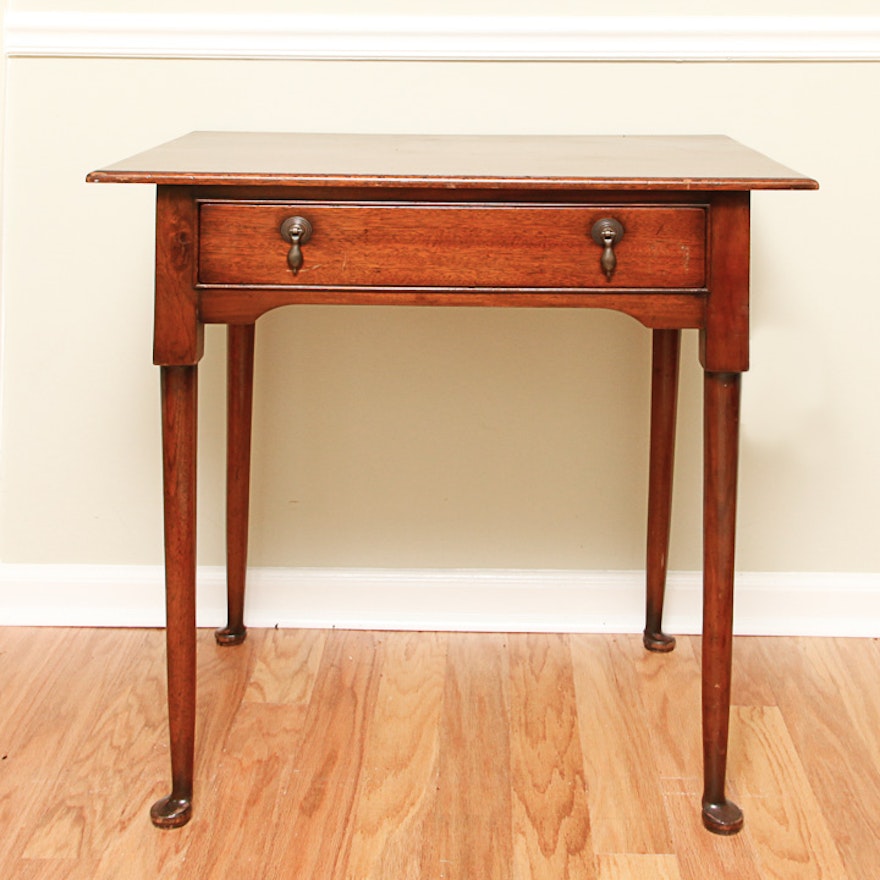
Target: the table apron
(657, 309)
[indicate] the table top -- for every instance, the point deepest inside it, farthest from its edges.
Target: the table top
(687, 162)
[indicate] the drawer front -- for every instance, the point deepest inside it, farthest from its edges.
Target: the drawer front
(386, 245)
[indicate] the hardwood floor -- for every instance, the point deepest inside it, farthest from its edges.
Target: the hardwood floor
(368, 755)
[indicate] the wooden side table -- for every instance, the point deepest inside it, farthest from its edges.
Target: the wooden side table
(655, 227)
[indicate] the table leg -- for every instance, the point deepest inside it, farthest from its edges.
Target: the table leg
(720, 459)
(664, 402)
(179, 423)
(240, 386)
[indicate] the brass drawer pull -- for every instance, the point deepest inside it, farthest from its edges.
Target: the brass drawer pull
(606, 233)
(297, 231)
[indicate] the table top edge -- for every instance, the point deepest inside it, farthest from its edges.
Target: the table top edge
(502, 162)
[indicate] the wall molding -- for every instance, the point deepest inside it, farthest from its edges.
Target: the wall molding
(442, 37)
(767, 603)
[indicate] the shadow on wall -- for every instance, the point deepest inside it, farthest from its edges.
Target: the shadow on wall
(450, 437)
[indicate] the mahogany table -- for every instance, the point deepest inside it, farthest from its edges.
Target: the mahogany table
(655, 227)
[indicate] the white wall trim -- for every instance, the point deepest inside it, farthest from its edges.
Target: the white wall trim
(767, 603)
(442, 37)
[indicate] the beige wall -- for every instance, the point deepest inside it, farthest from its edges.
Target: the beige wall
(465, 7)
(450, 438)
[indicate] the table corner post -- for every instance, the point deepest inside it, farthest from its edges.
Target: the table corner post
(178, 336)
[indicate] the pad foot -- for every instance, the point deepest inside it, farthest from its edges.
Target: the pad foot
(171, 812)
(724, 818)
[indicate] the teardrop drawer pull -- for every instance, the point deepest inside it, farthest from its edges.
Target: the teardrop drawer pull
(297, 231)
(607, 232)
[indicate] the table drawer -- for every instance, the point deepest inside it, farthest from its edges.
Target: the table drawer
(482, 245)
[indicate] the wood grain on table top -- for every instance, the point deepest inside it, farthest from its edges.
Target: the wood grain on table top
(704, 162)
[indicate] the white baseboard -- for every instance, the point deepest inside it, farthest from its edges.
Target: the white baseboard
(442, 37)
(767, 603)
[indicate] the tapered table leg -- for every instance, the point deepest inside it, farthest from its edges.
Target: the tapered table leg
(179, 423)
(720, 459)
(664, 403)
(240, 386)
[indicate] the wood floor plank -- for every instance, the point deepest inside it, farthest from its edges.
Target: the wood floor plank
(56, 869)
(135, 851)
(618, 866)
(99, 722)
(470, 831)
(750, 684)
(670, 692)
(285, 665)
(551, 822)
(100, 710)
(46, 697)
(28, 661)
(786, 823)
(90, 796)
(838, 765)
(702, 855)
(399, 779)
(315, 819)
(625, 797)
(251, 776)
(222, 676)
(251, 780)
(847, 660)
(224, 673)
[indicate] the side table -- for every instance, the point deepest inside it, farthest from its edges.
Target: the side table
(655, 227)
